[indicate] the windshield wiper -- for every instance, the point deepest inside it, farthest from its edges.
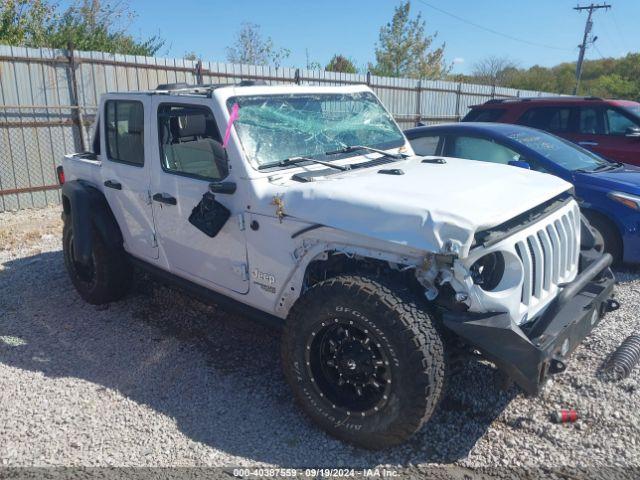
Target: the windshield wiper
(601, 167)
(355, 148)
(294, 160)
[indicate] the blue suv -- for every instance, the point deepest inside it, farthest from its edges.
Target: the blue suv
(608, 192)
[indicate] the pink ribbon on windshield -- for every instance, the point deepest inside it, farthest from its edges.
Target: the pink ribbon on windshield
(232, 118)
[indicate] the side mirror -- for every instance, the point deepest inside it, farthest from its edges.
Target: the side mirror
(226, 188)
(632, 132)
(520, 164)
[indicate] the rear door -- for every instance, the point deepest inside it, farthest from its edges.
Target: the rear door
(126, 173)
(188, 158)
(559, 120)
(589, 127)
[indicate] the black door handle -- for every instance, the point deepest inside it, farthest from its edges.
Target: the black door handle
(113, 184)
(165, 198)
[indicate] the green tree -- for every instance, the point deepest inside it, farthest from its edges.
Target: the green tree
(404, 50)
(252, 48)
(340, 63)
(25, 22)
(87, 24)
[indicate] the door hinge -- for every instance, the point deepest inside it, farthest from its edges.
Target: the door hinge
(154, 240)
(149, 199)
(242, 270)
(241, 221)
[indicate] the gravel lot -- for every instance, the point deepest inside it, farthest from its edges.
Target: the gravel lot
(162, 380)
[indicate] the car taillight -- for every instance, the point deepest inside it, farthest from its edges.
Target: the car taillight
(60, 172)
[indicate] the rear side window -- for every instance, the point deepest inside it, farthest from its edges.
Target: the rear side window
(484, 115)
(427, 145)
(124, 123)
(552, 119)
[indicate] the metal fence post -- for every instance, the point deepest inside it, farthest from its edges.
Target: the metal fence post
(76, 113)
(198, 72)
(458, 96)
(368, 78)
(296, 77)
(419, 102)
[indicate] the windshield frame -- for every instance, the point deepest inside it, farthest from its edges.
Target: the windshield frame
(632, 109)
(255, 165)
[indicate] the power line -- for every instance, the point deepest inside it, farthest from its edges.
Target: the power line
(599, 52)
(618, 29)
(491, 30)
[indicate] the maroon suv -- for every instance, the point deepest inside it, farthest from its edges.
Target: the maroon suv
(610, 128)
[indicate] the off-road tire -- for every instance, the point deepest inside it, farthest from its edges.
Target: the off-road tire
(111, 274)
(418, 363)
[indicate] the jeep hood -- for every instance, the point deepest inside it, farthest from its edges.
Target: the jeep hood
(424, 207)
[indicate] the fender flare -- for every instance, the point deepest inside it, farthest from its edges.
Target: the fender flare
(89, 208)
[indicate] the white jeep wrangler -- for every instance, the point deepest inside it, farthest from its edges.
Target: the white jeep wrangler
(306, 207)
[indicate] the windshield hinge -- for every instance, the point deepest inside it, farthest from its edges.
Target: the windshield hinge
(241, 221)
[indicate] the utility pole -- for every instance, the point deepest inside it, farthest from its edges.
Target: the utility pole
(585, 39)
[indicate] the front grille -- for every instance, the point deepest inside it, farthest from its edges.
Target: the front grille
(549, 256)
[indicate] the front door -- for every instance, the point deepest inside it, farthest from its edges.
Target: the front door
(189, 158)
(604, 130)
(126, 174)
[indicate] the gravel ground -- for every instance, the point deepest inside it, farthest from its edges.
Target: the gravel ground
(162, 380)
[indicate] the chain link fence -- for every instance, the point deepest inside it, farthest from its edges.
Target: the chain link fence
(49, 98)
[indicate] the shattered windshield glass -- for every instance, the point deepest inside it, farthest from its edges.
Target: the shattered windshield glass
(276, 127)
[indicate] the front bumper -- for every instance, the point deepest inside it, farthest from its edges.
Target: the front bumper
(527, 354)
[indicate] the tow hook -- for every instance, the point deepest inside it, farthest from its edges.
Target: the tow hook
(557, 365)
(612, 305)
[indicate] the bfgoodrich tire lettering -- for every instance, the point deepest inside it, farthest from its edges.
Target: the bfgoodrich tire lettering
(109, 276)
(405, 341)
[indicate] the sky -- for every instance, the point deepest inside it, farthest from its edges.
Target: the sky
(547, 31)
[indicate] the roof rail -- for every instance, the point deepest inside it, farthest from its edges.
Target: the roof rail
(202, 89)
(544, 98)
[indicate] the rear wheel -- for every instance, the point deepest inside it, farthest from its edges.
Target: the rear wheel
(108, 275)
(363, 360)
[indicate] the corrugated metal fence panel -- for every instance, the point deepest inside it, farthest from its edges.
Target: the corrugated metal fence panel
(40, 120)
(399, 96)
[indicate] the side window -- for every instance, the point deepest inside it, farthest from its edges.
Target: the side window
(552, 119)
(617, 123)
(125, 131)
(426, 145)
(590, 121)
(480, 149)
(190, 143)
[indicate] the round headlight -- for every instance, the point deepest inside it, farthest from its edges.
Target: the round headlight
(488, 271)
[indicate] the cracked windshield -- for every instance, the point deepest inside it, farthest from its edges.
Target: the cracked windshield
(276, 127)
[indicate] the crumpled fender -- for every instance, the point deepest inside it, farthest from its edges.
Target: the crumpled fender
(89, 208)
